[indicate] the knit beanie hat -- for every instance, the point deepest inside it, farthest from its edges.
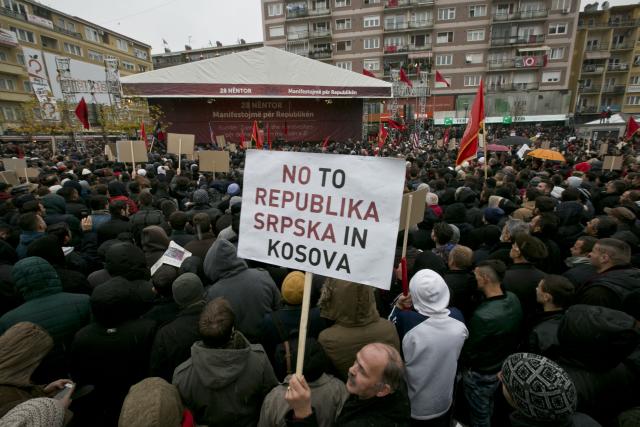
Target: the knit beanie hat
(540, 389)
(429, 293)
(142, 172)
(200, 197)
(233, 189)
(493, 215)
(40, 412)
(293, 287)
(187, 289)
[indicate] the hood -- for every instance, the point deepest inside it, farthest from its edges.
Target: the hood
(22, 348)
(154, 239)
(47, 248)
(220, 367)
(115, 302)
(570, 213)
(54, 204)
(455, 213)
(428, 260)
(117, 189)
(8, 255)
(348, 304)
(126, 260)
(34, 278)
(429, 293)
(222, 261)
(152, 402)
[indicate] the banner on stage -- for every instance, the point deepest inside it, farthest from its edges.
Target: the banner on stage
(333, 215)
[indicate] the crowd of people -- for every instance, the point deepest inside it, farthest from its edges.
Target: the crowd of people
(522, 310)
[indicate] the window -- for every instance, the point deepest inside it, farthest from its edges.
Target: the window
(343, 46)
(7, 84)
(557, 53)
(446, 13)
(15, 6)
(633, 100)
(92, 34)
(20, 58)
(372, 43)
(551, 77)
(371, 1)
(3, 55)
(24, 35)
(371, 64)
(9, 114)
(343, 3)
(122, 45)
(564, 5)
(557, 29)
(26, 85)
(420, 40)
(477, 11)
(49, 42)
(343, 24)
(67, 25)
(445, 37)
(139, 53)
(142, 68)
(475, 35)
(635, 80)
(345, 65)
(444, 59)
(95, 56)
(276, 31)
(471, 81)
(72, 49)
(128, 66)
(274, 9)
(473, 58)
(371, 21)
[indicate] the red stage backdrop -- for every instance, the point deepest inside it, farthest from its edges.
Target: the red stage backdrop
(305, 119)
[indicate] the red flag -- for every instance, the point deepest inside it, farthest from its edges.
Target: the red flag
(143, 135)
(325, 143)
(286, 129)
(242, 139)
(632, 128)
(441, 79)
(446, 136)
(405, 276)
(382, 136)
(269, 136)
(404, 78)
(396, 125)
(255, 136)
(368, 73)
(469, 142)
(82, 112)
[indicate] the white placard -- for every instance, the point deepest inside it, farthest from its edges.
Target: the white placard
(521, 152)
(328, 214)
(174, 255)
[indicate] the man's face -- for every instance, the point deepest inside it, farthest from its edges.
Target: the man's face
(625, 197)
(576, 249)
(514, 253)
(597, 257)
(540, 293)
(365, 376)
(42, 226)
(592, 227)
(542, 187)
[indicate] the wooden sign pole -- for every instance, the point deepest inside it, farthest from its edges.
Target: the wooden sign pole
(26, 176)
(405, 286)
(133, 161)
(304, 320)
(179, 154)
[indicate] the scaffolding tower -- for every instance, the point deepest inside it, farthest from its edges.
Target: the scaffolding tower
(365, 120)
(422, 105)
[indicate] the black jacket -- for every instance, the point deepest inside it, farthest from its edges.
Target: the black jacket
(462, 290)
(610, 288)
(172, 344)
(522, 280)
(112, 228)
(580, 272)
(543, 338)
(146, 215)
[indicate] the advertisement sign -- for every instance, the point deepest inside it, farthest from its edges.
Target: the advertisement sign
(333, 215)
(39, 78)
(8, 38)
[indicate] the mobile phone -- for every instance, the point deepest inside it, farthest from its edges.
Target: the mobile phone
(68, 388)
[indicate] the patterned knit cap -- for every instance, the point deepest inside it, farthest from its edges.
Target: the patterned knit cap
(540, 389)
(40, 412)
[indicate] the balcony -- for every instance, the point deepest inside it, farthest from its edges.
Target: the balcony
(319, 33)
(507, 86)
(424, 23)
(593, 89)
(618, 67)
(611, 23)
(415, 48)
(11, 14)
(521, 15)
(421, 2)
(518, 62)
(397, 4)
(633, 88)
(12, 68)
(623, 46)
(514, 41)
(299, 35)
(14, 96)
(67, 32)
(396, 26)
(320, 54)
(614, 89)
(395, 50)
(319, 12)
(587, 109)
(597, 47)
(593, 69)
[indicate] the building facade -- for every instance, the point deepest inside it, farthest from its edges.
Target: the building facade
(169, 59)
(606, 71)
(523, 50)
(49, 53)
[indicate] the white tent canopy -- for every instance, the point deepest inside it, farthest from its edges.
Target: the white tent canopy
(265, 72)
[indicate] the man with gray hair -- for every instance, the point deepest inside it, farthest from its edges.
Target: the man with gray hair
(509, 230)
(378, 395)
(616, 278)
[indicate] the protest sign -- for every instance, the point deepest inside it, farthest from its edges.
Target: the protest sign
(174, 255)
(180, 143)
(33, 172)
(604, 148)
(232, 148)
(9, 177)
(418, 202)
(221, 141)
(18, 165)
(546, 145)
(612, 163)
(521, 152)
(110, 152)
(333, 215)
(131, 151)
(213, 161)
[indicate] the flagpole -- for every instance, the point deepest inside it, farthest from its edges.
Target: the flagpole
(433, 102)
(484, 141)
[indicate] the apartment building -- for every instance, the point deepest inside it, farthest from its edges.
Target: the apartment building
(606, 72)
(33, 36)
(169, 59)
(522, 49)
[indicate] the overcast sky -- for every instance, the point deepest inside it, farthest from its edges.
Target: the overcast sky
(204, 21)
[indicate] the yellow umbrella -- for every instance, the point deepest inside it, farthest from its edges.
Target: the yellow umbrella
(542, 153)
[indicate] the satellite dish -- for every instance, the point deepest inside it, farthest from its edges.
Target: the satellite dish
(605, 5)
